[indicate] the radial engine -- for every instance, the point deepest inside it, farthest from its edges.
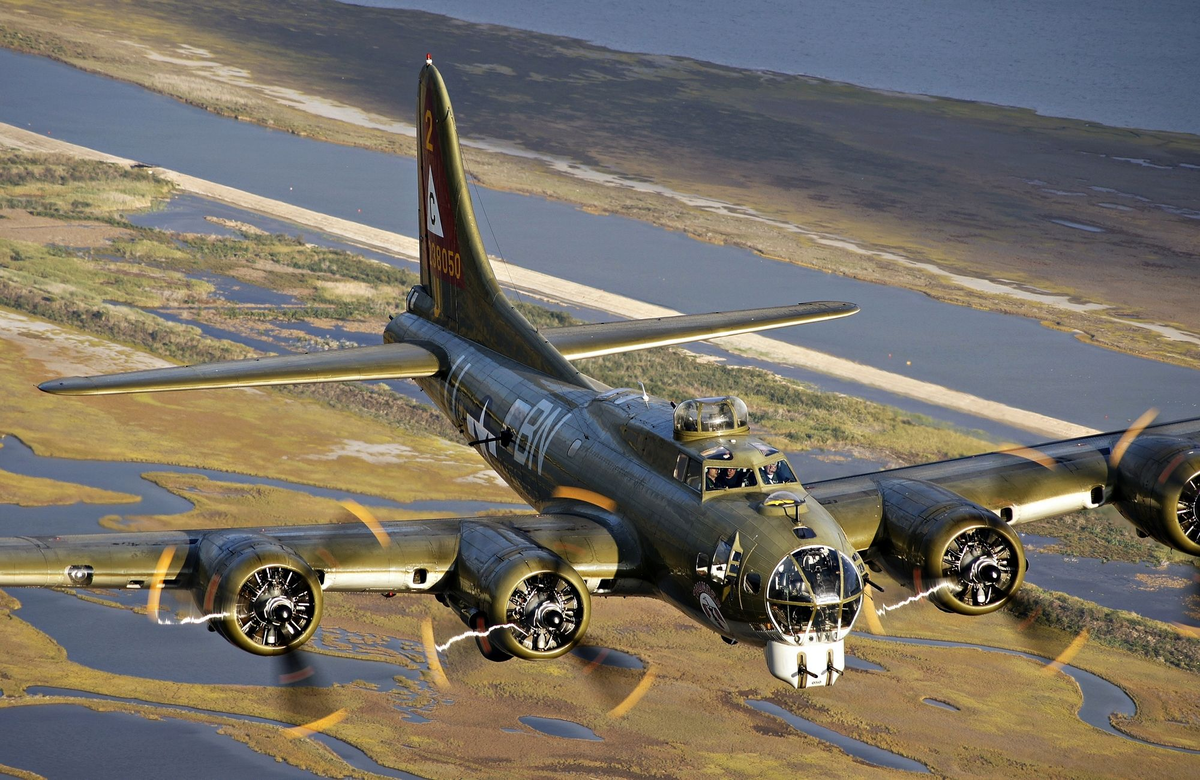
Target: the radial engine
(265, 598)
(967, 558)
(529, 602)
(1158, 490)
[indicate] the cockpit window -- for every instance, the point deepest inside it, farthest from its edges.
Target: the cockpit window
(776, 473)
(716, 478)
(815, 593)
(766, 449)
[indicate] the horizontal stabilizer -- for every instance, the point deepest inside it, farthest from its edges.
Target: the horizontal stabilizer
(608, 338)
(386, 361)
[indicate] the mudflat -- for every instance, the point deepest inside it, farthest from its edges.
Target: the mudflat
(874, 185)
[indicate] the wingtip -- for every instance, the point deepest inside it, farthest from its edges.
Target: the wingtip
(71, 385)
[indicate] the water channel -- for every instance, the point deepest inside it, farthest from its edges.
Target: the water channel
(1168, 593)
(119, 745)
(990, 355)
(1101, 699)
(857, 748)
(186, 213)
(344, 750)
(126, 477)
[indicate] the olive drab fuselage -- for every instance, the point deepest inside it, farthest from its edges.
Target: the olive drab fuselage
(584, 450)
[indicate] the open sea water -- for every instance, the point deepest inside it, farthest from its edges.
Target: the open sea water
(1122, 63)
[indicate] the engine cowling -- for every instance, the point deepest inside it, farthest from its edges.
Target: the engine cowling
(504, 577)
(1158, 490)
(267, 600)
(946, 540)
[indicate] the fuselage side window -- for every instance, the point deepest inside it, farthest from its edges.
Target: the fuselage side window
(688, 471)
(681, 467)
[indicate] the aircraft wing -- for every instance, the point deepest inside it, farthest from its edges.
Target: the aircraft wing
(385, 361)
(404, 556)
(606, 338)
(262, 588)
(1151, 474)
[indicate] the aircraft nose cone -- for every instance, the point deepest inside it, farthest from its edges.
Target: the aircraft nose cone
(282, 613)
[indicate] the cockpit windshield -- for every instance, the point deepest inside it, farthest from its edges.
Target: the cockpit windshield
(776, 473)
(727, 478)
(815, 594)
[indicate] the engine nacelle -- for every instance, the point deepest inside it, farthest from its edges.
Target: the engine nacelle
(504, 577)
(1158, 490)
(266, 599)
(951, 542)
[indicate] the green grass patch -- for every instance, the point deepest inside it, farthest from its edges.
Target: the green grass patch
(1123, 630)
(69, 187)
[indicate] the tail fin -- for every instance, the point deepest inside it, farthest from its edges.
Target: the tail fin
(455, 270)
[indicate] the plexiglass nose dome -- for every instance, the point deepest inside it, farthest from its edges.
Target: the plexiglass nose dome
(815, 594)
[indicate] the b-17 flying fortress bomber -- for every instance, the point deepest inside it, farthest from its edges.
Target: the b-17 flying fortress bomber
(635, 495)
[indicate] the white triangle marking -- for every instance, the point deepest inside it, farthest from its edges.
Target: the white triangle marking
(433, 215)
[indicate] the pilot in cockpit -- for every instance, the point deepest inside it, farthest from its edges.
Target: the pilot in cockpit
(776, 473)
(736, 478)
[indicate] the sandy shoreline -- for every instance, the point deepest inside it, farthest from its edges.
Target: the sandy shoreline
(569, 292)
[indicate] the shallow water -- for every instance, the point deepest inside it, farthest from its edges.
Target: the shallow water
(217, 332)
(344, 750)
(860, 750)
(118, 745)
(1076, 58)
(564, 729)
(1113, 584)
(991, 355)
(238, 291)
(123, 642)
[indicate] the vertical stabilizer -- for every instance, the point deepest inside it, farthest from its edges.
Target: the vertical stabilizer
(454, 266)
